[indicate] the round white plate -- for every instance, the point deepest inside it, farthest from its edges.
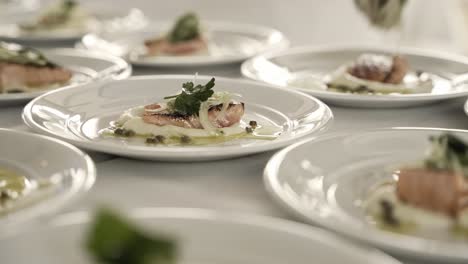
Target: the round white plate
(76, 115)
(12, 32)
(86, 66)
(324, 181)
(228, 43)
(306, 66)
(43, 158)
(203, 236)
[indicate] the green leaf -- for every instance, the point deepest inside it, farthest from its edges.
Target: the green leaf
(17, 54)
(187, 27)
(188, 102)
(112, 240)
(448, 152)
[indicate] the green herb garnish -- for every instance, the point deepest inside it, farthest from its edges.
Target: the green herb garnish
(188, 102)
(17, 54)
(113, 240)
(448, 152)
(384, 14)
(187, 27)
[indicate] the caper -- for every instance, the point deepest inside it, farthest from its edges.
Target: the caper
(119, 131)
(151, 140)
(388, 213)
(185, 139)
(249, 130)
(129, 133)
(160, 138)
(253, 124)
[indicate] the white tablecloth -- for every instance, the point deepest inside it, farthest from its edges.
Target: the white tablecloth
(236, 185)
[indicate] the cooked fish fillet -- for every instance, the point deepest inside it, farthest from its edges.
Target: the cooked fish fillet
(17, 76)
(380, 68)
(232, 115)
(163, 46)
(438, 191)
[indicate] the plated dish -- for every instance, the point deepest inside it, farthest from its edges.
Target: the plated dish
(64, 20)
(196, 116)
(24, 69)
(25, 72)
(364, 76)
(38, 180)
(188, 41)
(405, 187)
(150, 117)
(170, 235)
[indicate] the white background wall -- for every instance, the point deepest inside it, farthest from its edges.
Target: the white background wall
(426, 22)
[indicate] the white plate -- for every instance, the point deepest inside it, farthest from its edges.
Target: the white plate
(43, 158)
(12, 32)
(76, 115)
(325, 180)
(309, 65)
(86, 66)
(204, 237)
(228, 43)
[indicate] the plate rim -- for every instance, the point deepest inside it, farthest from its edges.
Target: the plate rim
(175, 154)
(121, 69)
(437, 54)
(234, 218)
(50, 205)
(413, 247)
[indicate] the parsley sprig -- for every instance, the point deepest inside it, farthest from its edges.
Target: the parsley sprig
(188, 102)
(448, 152)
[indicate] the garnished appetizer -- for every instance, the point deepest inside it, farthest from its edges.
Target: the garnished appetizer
(378, 74)
(429, 198)
(24, 70)
(197, 116)
(112, 239)
(65, 15)
(184, 38)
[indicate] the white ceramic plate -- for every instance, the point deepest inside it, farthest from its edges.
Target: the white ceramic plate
(44, 159)
(12, 32)
(76, 115)
(86, 66)
(324, 181)
(203, 236)
(228, 43)
(304, 68)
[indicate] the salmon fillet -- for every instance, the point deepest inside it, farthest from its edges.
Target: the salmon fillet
(232, 115)
(17, 76)
(162, 45)
(439, 191)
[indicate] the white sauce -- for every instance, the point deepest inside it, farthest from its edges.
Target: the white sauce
(425, 221)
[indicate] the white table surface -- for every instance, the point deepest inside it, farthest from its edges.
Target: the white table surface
(236, 185)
